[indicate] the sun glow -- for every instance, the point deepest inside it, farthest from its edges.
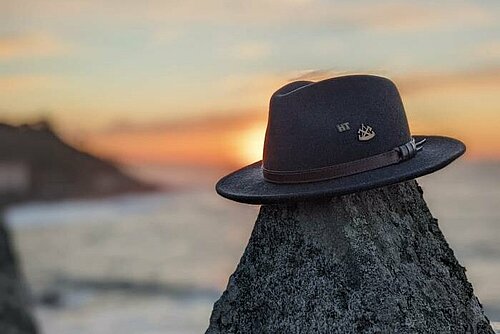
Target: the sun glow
(251, 143)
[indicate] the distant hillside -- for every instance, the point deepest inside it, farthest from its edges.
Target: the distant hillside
(35, 164)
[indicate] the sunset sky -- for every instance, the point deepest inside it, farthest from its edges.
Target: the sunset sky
(188, 82)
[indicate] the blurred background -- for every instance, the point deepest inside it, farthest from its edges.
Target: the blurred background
(117, 118)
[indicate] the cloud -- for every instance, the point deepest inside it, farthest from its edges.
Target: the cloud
(165, 37)
(213, 122)
(383, 15)
(457, 104)
(414, 16)
(212, 141)
(23, 82)
(31, 46)
(243, 91)
(472, 81)
(316, 75)
(252, 50)
(419, 82)
(378, 15)
(489, 50)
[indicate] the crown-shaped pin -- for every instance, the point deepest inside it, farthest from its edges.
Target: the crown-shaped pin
(365, 132)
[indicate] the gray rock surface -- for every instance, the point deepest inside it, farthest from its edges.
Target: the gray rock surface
(15, 313)
(371, 262)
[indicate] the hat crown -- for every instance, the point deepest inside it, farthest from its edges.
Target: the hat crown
(334, 121)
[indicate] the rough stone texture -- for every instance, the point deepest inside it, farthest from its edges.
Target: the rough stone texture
(372, 262)
(15, 313)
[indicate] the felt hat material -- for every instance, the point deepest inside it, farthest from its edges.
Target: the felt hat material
(335, 137)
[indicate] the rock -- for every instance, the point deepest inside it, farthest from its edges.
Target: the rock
(371, 262)
(15, 305)
(36, 164)
(51, 298)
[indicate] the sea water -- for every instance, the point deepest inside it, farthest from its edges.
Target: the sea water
(156, 263)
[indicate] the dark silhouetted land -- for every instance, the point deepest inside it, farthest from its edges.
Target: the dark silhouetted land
(36, 164)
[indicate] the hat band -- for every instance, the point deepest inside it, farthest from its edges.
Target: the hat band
(394, 156)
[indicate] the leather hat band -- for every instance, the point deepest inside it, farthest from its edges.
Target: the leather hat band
(394, 156)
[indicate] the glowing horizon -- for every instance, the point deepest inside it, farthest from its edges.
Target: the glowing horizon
(129, 80)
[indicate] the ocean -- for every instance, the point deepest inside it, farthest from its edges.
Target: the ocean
(156, 263)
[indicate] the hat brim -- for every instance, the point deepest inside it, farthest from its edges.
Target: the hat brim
(247, 185)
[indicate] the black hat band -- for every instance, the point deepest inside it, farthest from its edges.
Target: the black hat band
(394, 156)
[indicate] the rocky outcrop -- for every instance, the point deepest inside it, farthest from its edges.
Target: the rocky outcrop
(45, 167)
(15, 305)
(371, 262)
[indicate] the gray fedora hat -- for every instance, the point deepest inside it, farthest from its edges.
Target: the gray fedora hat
(336, 137)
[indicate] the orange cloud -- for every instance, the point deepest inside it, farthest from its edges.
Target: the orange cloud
(22, 82)
(216, 141)
(31, 45)
(483, 79)
(461, 105)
